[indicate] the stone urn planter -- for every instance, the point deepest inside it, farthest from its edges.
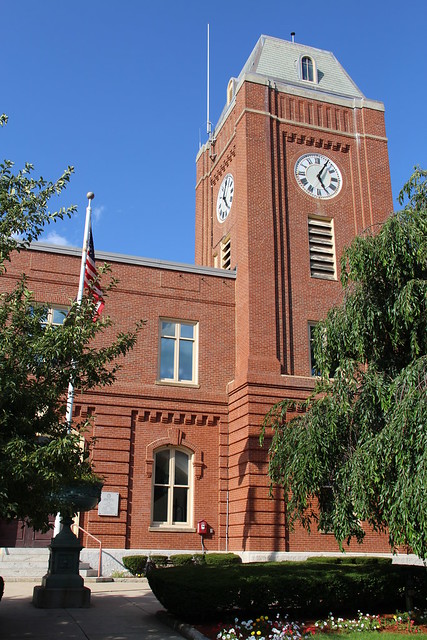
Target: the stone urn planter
(63, 586)
(79, 496)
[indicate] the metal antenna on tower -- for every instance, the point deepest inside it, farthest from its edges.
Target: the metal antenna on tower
(209, 124)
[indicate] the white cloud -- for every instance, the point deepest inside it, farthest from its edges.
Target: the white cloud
(97, 212)
(55, 238)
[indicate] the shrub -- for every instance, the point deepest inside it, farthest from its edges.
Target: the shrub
(135, 564)
(347, 560)
(303, 589)
(199, 558)
(222, 559)
(159, 561)
(181, 559)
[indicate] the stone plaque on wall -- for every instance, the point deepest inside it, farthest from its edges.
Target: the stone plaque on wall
(109, 504)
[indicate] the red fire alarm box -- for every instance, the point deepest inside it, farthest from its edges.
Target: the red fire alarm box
(202, 527)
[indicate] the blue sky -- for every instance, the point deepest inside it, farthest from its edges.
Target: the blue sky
(118, 90)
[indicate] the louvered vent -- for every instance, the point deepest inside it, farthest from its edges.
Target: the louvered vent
(322, 252)
(226, 254)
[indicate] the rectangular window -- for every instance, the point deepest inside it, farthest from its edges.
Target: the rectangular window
(55, 316)
(322, 248)
(178, 351)
(171, 488)
(313, 365)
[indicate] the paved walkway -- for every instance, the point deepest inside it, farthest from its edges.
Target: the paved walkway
(118, 611)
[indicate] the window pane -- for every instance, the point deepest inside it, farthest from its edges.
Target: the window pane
(185, 360)
(187, 330)
(58, 316)
(180, 504)
(181, 468)
(160, 507)
(161, 473)
(314, 368)
(307, 69)
(167, 349)
(168, 329)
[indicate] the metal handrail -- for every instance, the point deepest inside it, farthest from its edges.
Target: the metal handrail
(100, 546)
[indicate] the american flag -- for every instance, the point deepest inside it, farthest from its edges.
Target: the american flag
(90, 277)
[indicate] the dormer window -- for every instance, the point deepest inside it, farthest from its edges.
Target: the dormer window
(307, 69)
(231, 87)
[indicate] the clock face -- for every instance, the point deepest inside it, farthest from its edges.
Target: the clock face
(225, 197)
(318, 176)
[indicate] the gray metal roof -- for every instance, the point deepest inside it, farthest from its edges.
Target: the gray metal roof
(279, 60)
(104, 256)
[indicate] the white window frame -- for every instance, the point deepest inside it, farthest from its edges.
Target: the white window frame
(314, 67)
(170, 524)
(49, 322)
(195, 355)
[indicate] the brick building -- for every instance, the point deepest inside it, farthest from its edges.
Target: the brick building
(297, 165)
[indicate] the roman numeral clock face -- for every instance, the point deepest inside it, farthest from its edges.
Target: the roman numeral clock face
(225, 198)
(318, 176)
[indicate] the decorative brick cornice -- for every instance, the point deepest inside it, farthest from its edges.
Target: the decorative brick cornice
(320, 143)
(223, 165)
(178, 418)
(83, 411)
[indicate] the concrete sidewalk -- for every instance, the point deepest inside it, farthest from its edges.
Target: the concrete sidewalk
(118, 611)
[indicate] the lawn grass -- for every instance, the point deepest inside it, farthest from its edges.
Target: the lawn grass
(383, 635)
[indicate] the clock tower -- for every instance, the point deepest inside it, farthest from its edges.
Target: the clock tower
(296, 167)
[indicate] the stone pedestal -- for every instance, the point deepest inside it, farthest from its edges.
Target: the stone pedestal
(61, 598)
(63, 586)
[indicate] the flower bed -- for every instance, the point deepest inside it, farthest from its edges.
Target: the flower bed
(281, 628)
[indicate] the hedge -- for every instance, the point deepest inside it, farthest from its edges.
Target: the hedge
(348, 560)
(135, 564)
(159, 560)
(222, 559)
(211, 559)
(181, 559)
(196, 593)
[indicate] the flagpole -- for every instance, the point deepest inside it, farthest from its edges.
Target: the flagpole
(70, 394)
(70, 397)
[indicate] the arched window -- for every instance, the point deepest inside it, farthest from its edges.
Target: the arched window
(307, 69)
(171, 487)
(230, 90)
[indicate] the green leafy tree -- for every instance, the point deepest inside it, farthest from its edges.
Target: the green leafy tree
(39, 453)
(358, 450)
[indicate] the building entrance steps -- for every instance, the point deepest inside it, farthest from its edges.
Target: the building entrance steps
(23, 564)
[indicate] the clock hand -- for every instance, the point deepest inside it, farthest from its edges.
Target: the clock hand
(322, 170)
